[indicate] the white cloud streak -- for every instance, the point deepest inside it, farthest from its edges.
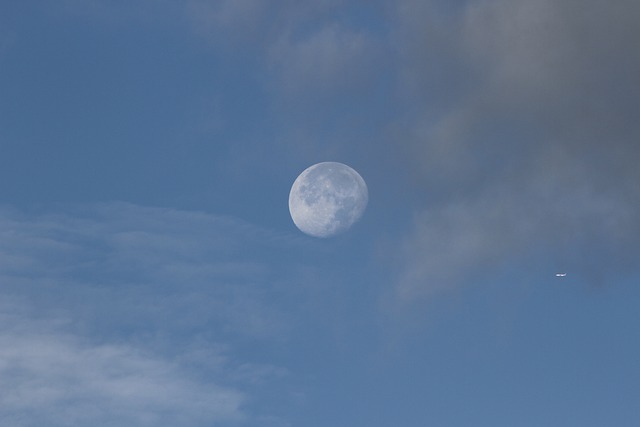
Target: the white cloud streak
(117, 314)
(53, 377)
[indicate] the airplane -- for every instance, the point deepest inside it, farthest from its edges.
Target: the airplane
(561, 274)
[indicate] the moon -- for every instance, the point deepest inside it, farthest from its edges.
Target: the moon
(327, 199)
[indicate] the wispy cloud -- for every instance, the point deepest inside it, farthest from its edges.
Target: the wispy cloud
(57, 378)
(251, 24)
(121, 314)
(329, 59)
(317, 69)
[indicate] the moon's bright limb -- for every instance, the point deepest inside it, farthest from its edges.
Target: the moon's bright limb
(327, 198)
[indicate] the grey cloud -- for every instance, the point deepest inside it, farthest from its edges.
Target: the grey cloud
(532, 147)
(467, 239)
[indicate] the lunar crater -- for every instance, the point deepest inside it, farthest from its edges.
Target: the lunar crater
(327, 199)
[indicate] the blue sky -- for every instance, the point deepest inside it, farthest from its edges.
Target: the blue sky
(150, 273)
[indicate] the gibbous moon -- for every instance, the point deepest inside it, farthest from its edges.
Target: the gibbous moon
(327, 199)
